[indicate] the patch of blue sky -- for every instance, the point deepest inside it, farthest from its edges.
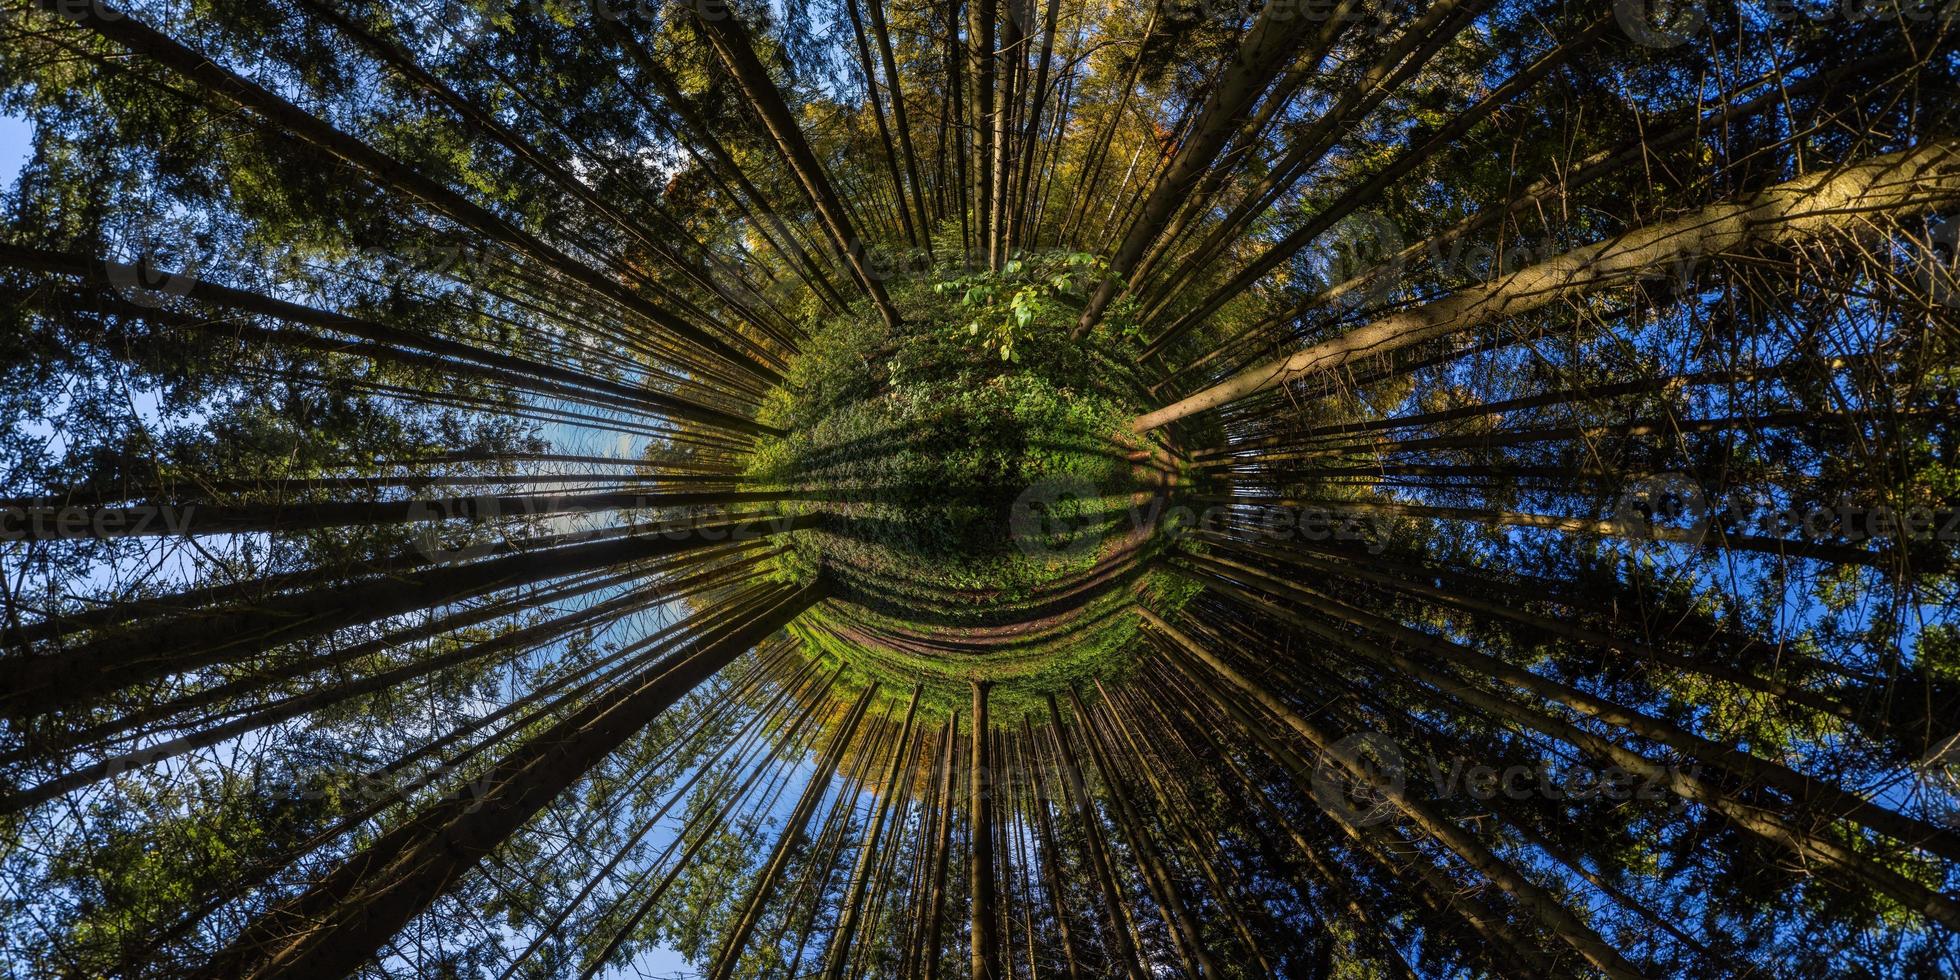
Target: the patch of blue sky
(16, 147)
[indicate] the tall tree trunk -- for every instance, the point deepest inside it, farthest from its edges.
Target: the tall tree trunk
(1713, 537)
(982, 16)
(1029, 133)
(1185, 934)
(1374, 927)
(1046, 848)
(1119, 939)
(958, 94)
(699, 131)
(871, 73)
(1223, 892)
(840, 947)
(1473, 851)
(695, 834)
(731, 44)
(752, 732)
(404, 64)
(985, 940)
(794, 829)
(1893, 186)
(140, 39)
(942, 848)
(385, 341)
(57, 680)
(1267, 47)
(1008, 60)
(1810, 845)
(194, 519)
(518, 640)
(339, 923)
(1092, 169)
(1440, 22)
(895, 87)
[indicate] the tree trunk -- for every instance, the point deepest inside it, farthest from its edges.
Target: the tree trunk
(386, 342)
(1267, 47)
(840, 946)
(1893, 186)
(1473, 851)
(731, 43)
(1810, 846)
(980, 868)
(54, 681)
(942, 849)
(1047, 850)
(339, 923)
(794, 829)
(982, 15)
(122, 29)
(866, 61)
(1119, 934)
(1438, 24)
(894, 86)
(1185, 934)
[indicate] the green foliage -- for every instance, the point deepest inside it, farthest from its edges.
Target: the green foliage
(1026, 291)
(921, 462)
(169, 840)
(973, 469)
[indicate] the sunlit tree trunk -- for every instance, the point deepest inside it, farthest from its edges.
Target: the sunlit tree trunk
(1845, 200)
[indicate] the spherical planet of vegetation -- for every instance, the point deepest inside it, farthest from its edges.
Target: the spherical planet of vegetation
(984, 510)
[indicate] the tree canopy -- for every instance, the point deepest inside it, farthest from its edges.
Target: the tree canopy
(1001, 488)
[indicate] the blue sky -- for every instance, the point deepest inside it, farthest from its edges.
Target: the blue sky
(16, 139)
